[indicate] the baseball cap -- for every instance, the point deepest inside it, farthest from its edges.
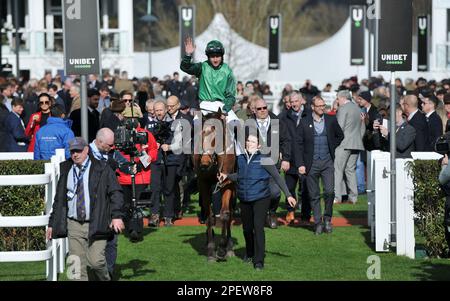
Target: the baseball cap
(78, 143)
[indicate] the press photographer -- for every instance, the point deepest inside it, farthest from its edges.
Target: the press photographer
(139, 148)
(442, 147)
(166, 169)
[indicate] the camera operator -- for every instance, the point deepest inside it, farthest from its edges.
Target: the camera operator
(142, 177)
(167, 166)
(444, 179)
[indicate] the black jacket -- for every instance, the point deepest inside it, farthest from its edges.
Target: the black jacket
(4, 112)
(93, 123)
(305, 140)
(109, 120)
(419, 123)
(106, 201)
(169, 158)
(370, 135)
(293, 130)
(434, 130)
(285, 139)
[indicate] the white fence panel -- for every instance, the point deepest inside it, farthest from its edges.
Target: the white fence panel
(382, 201)
(57, 249)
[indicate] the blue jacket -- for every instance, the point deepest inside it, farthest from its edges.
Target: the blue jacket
(54, 135)
(253, 179)
(16, 140)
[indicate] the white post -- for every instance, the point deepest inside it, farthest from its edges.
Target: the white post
(50, 190)
(439, 36)
(36, 15)
(50, 26)
(405, 210)
(382, 202)
(126, 27)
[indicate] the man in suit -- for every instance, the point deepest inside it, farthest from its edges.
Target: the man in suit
(319, 136)
(87, 210)
(173, 109)
(417, 120)
(93, 116)
(351, 123)
(264, 122)
(4, 112)
(435, 125)
(364, 99)
(16, 140)
(64, 93)
(293, 117)
(404, 135)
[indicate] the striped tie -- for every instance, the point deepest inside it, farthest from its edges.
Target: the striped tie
(81, 207)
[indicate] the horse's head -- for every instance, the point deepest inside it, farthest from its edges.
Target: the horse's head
(208, 159)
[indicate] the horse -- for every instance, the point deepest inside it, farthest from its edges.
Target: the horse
(207, 165)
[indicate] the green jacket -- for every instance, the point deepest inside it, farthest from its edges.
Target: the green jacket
(215, 84)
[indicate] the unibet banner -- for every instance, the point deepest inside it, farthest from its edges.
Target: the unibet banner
(358, 18)
(81, 37)
(274, 42)
(187, 25)
(423, 40)
(394, 36)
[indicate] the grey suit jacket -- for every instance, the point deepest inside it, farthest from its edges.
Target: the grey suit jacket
(405, 137)
(349, 118)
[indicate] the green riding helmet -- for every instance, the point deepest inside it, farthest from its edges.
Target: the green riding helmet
(215, 47)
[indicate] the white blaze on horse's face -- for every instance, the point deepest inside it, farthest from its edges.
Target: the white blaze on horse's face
(208, 141)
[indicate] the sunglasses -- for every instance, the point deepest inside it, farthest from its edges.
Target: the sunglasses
(44, 103)
(261, 108)
(127, 100)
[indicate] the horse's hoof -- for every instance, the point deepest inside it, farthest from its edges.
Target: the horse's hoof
(230, 254)
(222, 255)
(212, 259)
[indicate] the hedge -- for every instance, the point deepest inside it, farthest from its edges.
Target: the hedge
(22, 201)
(429, 205)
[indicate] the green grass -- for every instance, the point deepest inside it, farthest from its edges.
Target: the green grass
(179, 253)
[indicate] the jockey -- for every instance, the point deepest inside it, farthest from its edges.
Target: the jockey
(217, 85)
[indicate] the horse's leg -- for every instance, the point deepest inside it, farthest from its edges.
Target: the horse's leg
(227, 163)
(225, 217)
(204, 190)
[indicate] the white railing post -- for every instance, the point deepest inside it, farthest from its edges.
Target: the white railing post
(382, 201)
(405, 210)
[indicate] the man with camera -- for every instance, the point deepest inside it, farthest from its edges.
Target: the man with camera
(166, 168)
(138, 147)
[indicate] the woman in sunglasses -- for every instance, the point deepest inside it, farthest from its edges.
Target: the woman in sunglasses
(39, 119)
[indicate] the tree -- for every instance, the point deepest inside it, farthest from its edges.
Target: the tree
(305, 22)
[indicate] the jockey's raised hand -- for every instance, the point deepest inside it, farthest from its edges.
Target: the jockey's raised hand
(189, 46)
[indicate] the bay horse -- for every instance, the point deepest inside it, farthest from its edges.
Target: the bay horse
(208, 163)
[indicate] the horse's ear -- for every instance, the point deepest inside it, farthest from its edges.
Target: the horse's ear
(220, 111)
